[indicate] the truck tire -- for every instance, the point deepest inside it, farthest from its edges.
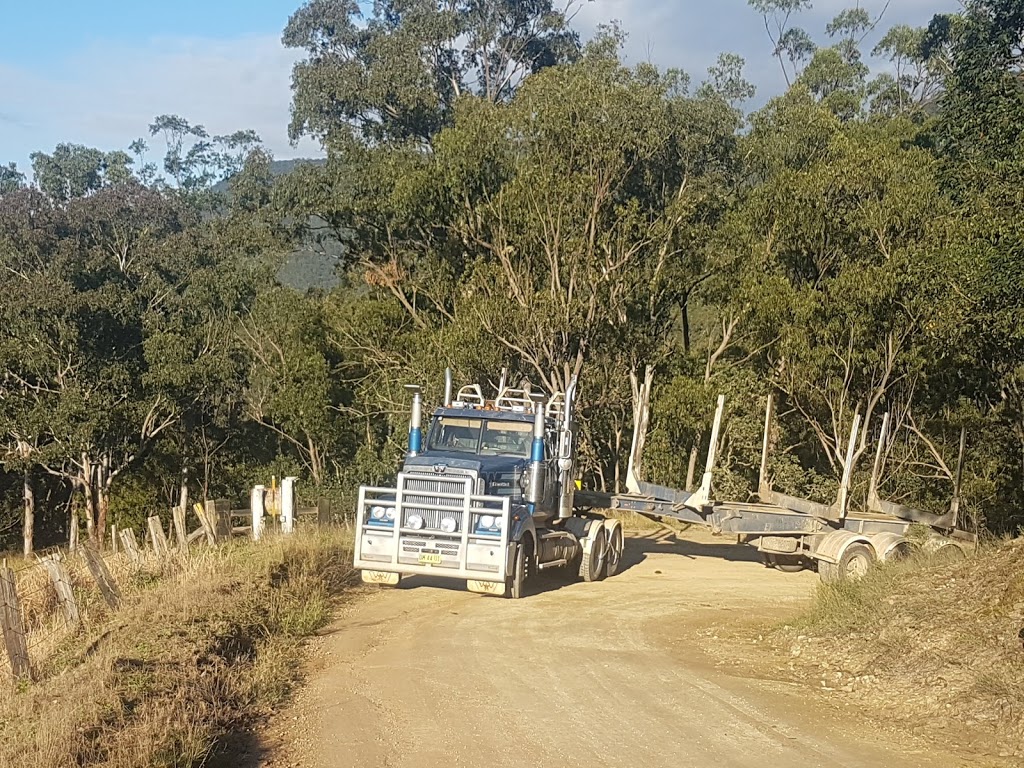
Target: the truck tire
(523, 567)
(613, 560)
(786, 563)
(592, 565)
(853, 564)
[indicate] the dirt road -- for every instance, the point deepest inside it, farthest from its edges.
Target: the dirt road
(607, 674)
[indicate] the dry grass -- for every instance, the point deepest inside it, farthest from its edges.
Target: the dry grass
(192, 655)
(935, 646)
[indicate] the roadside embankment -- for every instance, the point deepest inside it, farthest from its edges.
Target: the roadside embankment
(192, 655)
(937, 648)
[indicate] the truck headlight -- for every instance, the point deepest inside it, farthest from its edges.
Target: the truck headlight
(448, 525)
(499, 523)
(378, 513)
(487, 521)
(389, 514)
(414, 521)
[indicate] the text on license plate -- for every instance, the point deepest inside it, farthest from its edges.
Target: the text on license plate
(430, 559)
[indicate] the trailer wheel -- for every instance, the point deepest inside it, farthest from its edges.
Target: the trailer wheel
(615, 546)
(592, 565)
(786, 563)
(855, 562)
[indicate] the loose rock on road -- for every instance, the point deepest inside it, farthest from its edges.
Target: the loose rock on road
(617, 673)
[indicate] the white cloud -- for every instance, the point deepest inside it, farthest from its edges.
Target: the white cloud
(690, 34)
(107, 96)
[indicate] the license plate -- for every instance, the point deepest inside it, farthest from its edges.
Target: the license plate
(429, 559)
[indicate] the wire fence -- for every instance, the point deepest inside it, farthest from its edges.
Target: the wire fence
(45, 600)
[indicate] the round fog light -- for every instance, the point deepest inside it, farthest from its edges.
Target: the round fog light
(414, 521)
(448, 525)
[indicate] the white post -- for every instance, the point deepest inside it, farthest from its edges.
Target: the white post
(258, 510)
(288, 504)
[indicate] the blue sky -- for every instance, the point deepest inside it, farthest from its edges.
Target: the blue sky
(97, 71)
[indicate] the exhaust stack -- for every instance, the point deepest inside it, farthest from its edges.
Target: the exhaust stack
(416, 424)
(535, 491)
(448, 387)
(566, 453)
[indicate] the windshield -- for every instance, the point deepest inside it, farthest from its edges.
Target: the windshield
(477, 436)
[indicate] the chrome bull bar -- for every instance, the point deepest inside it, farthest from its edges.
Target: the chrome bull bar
(433, 526)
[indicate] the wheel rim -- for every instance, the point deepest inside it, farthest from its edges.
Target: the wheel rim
(614, 552)
(857, 566)
(602, 556)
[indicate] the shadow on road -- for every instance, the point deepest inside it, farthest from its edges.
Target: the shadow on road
(667, 542)
(241, 749)
(636, 550)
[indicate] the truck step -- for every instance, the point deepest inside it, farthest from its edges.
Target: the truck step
(552, 564)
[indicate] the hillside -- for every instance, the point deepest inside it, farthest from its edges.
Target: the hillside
(937, 648)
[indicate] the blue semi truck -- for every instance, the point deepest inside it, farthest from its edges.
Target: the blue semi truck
(486, 494)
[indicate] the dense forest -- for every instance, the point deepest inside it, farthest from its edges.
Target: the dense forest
(500, 193)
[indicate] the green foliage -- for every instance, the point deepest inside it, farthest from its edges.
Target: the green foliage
(398, 74)
(498, 195)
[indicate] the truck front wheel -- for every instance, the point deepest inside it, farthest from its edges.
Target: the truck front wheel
(522, 570)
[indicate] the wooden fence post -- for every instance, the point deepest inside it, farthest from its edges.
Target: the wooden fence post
(218, 511)
(180, 532)
(100, 574)
(62, 585)
(13, 627)
(113, 538)
(204, 520)
(131, 545)
(156, 533)
(73, 534)
(323, 512)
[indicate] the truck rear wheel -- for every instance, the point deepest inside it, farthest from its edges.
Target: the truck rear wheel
(615, 545)
(592, 565)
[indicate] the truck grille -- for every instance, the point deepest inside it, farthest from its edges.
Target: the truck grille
(419, 498)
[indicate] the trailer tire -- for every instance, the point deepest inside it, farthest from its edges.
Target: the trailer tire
(786, 563)
(853, 564)
(593, 563)
(613, 560)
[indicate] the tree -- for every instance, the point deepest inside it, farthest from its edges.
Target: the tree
(74, 171)
(10, 178)
(194, 160)
(398, 75)
(789, 42)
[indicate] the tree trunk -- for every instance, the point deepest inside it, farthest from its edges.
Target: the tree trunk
(641, 418)
(102, 506)
(73, 528)
(692, 466)
(183, 494)
(685, 309)
(30, 513)
(315, 462)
